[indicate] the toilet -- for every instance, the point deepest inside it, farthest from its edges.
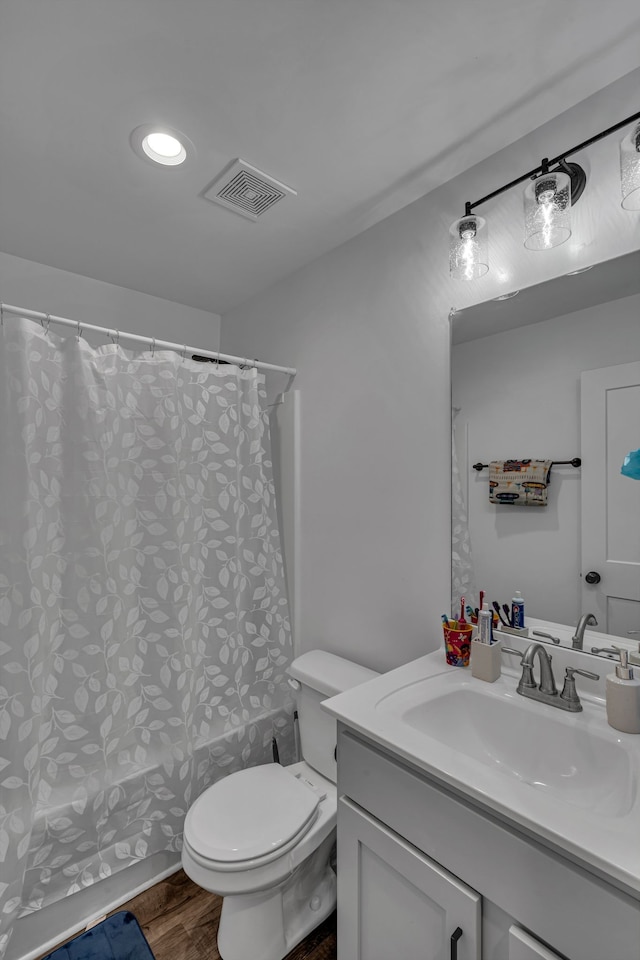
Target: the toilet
(263, 838)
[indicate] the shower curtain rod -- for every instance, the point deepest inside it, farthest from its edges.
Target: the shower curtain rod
(115, 334)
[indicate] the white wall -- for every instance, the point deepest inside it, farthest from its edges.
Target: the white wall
(35, 286)
(367, 327)
(519, 394)
(374, 429)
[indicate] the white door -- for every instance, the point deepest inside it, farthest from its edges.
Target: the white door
(610, 428)
(396, 904)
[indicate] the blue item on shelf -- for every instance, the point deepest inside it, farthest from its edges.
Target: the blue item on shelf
(631, 465)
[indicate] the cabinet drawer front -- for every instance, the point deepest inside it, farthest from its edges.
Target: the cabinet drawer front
(395, 902)
(564, 904)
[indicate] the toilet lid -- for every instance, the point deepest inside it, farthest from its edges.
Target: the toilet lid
(249, 814)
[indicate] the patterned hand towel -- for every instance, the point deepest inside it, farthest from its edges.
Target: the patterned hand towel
(523, 482)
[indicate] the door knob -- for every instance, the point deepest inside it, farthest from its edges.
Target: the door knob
(593, 577)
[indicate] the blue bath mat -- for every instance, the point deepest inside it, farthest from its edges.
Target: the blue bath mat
(117, 938)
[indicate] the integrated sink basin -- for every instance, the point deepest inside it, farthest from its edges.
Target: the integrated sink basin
(568, 779)
(574, 759)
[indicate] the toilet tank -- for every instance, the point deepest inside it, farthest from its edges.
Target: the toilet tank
(322, 675)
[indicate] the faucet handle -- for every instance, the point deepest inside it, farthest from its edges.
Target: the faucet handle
(569, 692)
(570, 671)
(516, 653)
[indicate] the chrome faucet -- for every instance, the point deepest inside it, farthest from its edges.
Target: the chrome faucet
(577, 640)
(547, 682)
(546, 691)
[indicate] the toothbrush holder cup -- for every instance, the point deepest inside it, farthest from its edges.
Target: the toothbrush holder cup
(485, 660)
(457, 644)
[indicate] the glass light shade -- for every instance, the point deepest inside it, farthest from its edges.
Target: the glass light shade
(547, 211)
(468, 248)
(630, 169)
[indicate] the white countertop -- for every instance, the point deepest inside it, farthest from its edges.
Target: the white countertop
(607, 845)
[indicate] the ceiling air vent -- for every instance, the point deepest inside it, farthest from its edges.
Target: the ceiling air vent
(246, 190)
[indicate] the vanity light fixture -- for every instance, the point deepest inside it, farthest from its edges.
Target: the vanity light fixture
(630, 169)
(547, 211)
(555, 186)
(160, 144)
(468, 248)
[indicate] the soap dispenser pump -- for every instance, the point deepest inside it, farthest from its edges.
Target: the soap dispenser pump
(623, 696)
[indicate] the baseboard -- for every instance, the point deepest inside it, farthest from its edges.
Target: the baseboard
(37, 933)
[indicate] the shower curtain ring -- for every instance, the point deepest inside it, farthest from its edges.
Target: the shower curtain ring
(79, 333)
(184, 351)
(47, 320)
(115, 337)
(1, 314)
(153, 346)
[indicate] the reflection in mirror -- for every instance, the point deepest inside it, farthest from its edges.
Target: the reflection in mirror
(552, 374)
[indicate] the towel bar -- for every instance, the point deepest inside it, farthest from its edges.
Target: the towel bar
(576, 462)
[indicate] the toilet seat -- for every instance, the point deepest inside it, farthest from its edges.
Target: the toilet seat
(250, 818)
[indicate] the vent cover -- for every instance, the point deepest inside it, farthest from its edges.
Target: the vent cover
(246, 190)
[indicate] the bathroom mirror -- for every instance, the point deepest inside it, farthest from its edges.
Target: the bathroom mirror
(552, 373)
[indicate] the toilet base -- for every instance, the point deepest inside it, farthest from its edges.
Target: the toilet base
(268, 924)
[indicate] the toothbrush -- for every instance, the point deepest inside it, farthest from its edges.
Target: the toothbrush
(461, 621)
(496, 607)
(505, 607)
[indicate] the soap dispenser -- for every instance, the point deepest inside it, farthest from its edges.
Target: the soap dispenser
(623, 697)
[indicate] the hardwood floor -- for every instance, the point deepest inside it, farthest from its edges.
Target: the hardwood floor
(180, 921)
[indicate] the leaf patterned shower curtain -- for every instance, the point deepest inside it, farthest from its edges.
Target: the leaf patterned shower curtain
(462, 576)
(144, 627)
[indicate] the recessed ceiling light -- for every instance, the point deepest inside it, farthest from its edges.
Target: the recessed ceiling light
(160, 144)
(163, 148)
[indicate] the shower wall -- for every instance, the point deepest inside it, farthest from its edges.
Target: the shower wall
(39, 287)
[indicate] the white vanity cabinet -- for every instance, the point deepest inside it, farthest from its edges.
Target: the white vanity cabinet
(397, 903)
(416, 861)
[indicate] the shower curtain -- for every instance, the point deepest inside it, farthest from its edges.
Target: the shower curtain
(462, 576)
(144, 628)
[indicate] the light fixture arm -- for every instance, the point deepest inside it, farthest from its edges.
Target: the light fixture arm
(573, 169)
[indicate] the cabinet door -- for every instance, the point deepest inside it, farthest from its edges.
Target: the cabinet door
(522, 946)
(396, 904)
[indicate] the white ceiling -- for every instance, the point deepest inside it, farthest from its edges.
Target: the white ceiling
(360, 105)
